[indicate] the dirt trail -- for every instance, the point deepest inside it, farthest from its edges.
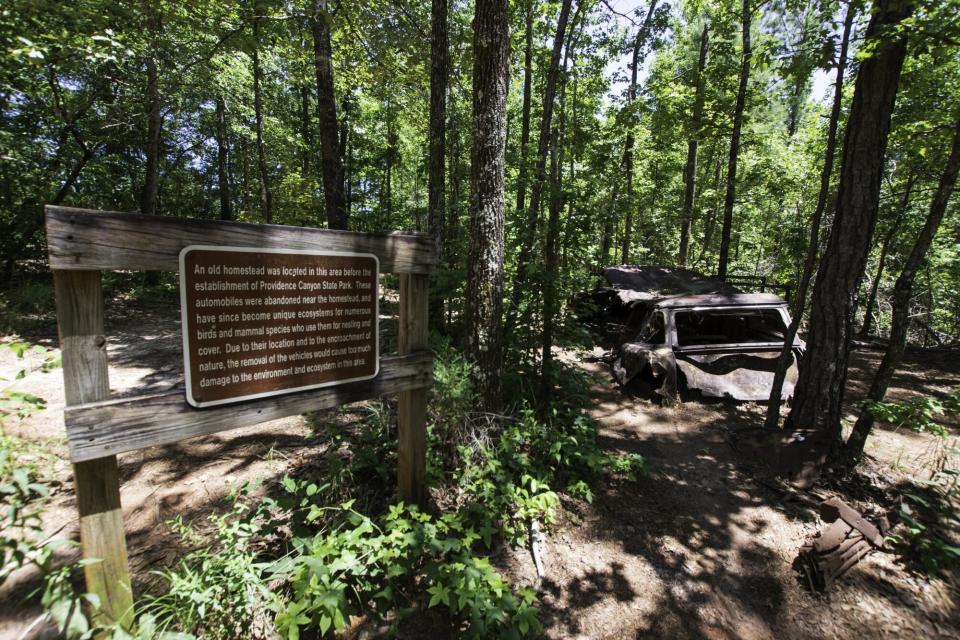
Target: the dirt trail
(697, 548)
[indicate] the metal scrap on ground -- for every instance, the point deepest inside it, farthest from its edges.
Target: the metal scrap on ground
(848, 538)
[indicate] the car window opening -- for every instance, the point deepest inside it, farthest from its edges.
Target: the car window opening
(728, 326)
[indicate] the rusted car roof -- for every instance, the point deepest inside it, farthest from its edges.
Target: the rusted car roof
(649, 282)
(719, 300)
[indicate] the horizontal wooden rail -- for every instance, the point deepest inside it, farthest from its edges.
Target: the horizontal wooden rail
(102, 240)
(100, 429)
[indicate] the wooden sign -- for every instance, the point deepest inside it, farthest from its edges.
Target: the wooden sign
(262, 322)
(320, 271)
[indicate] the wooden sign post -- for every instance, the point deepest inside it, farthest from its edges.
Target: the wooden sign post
(83, 243)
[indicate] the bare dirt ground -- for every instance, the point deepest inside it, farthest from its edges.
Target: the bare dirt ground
(699, 547)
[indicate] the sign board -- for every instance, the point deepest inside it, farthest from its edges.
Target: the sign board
(262, 322)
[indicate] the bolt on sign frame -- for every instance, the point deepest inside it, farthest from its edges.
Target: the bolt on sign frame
(82, 243)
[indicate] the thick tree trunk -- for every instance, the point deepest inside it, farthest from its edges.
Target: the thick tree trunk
(746, 18)
(327, 117)
(266, 197)
(436, 187)
(813, 244)
(902, 292)
(867, 325)
(820, 389)
(627, 163)
(690, 171)
(484, 294)
(223, 161)
(525, 110)
(528, 230)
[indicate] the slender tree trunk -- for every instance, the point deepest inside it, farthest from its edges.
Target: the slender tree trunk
(151, 184)
(436, 187)
(820, 389)
(266, 197)
(150, 196)
(333, 191)
(550, 263)
(305, 130)
(551, 254)
(525, 110)
(690, 172)
(867, 325)
(902, 292)
(711, 221)
(528, 230)
(746, 17)
(638, 43)
(346, 153)
(484, 294)
(813, 244)
(223, 161)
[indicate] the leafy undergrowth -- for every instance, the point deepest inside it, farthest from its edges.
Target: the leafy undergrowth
(317, 552)
(928, 535)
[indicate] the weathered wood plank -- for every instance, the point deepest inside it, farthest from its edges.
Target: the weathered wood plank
(79, 298)
(412, 407)
(126, 424)
(86, 239)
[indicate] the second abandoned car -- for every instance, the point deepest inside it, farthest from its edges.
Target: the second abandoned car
(679, 328)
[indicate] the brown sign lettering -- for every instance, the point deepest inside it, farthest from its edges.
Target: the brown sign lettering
(260, 322)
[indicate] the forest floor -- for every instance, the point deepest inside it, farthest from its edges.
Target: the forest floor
(700, 546)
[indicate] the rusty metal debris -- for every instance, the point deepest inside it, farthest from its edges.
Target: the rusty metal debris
(849, 537)
(681, 328)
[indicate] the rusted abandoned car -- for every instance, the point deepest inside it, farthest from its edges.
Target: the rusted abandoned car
(682, 329)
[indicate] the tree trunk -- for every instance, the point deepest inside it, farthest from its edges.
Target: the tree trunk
(820, 389)
(223, 161)
(525, 111)
(151, 183)
(638, 42)
(305, 130)
(690, 171)
(867, 325)
(902, 292)
(327, 117)
(266, 197)
(550, 264)
(813, 244)
(528, 230)
(746, 16)
(484, 294)
(436, 184)
(711, 221)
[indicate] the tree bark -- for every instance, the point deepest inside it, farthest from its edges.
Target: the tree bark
(813, 244)
(266, 197)
(820, 389)
(746, 18)
(902, 292)
(305, 130)
(690, 171)
(528, 230)
(867, 325)
(525, 110)
(484, 294)
(151, 184)
(627, 163)
(436, 187)
(223, 161)
(327, 117)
